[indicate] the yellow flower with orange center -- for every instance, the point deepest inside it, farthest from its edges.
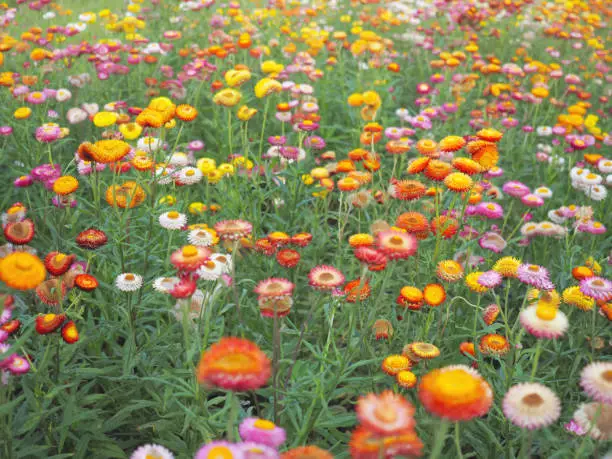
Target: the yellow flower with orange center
(393, 364)
(65, 185)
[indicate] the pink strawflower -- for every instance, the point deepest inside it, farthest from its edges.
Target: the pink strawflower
(597, 287)
(534, 275)
(262, 431)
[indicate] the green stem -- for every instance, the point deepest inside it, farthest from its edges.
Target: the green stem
(439, 437)
(457, 442)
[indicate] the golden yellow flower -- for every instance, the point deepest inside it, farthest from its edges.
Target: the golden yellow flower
(267, 86)
(65, 185)
(130, 131)
(104, 119)
(22, 113)
(245, 113)
(227, 97)
(22, 271)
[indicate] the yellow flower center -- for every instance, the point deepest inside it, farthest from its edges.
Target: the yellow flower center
(173, 215)
(456, 384)
(189, 251)
(264, 424)
(230, 363)
(190, 173)
(546, 312)
(48, 318)
(220, 452)
(129, 277)
(60, 257)
(534, 268)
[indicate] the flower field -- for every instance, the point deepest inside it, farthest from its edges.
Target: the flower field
(305, 229)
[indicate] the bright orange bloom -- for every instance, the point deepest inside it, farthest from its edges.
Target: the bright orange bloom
(456, 393)
(234, 364)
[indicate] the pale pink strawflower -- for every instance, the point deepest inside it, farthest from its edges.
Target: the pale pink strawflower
(531, 406)
(541, 325)
(596, 380)
(151, 451)
(595, 419)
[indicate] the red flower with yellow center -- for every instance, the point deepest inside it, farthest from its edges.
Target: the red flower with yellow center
(48, 323)
(11, 326)
(91, 238)
(70, 334)
(494, 344)
(234, 364)
(301, 239)
(58, 263)
(288, 258)
(86, 282)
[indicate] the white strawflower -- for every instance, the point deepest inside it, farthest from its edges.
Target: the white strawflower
(172, 220)
(128, 282)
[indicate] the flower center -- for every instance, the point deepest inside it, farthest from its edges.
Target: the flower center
(607, 376)
(457, 384)
(597, 283)
(190, 173)
(385, 413)
(326, 277)
(395, 240)
(264, 424)
(533, 400)
(173, 215)
(220, 452)
(546, 312)
(189, 251)
(534, 268)
(129, 277)
(48, 318)
(24, 264)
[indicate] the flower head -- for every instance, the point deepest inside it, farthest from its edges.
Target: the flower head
(234, 364)
(456, 392)
(531, 405)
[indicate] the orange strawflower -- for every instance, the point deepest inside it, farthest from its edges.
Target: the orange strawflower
(456, 393)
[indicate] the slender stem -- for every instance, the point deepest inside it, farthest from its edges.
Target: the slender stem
(275, 363)
(440, 436)
(536, 359)
(457, 442)
(233, 415)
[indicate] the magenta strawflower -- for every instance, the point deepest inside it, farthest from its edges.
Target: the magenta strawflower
(220, 449)
(534, 275)
(515, 189)
(597, 287)
(262, 431)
